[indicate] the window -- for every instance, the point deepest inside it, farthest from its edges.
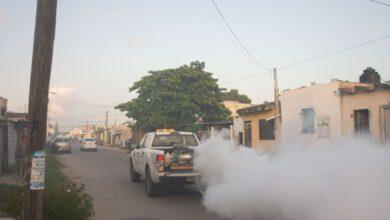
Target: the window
(307, 120)
(267, 129)
(240, 138)
(171, 140)
(362, 122)
(141, 145)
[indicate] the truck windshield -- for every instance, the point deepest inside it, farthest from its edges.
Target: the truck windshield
(89, 139)
(171, 140)
(62, 140)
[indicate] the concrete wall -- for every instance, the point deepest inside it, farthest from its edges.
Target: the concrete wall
(374, 102)
(3, 106)
(2, 147)
(238, 124)
(325, 101)
(265, 145)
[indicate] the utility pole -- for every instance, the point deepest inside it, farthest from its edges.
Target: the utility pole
(113, 137)
(278, 127)
(45, 23)
(106, 130)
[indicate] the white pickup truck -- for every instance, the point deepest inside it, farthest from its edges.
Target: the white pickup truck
(164, 157)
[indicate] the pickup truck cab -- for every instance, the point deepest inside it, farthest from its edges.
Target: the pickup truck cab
(164, 157)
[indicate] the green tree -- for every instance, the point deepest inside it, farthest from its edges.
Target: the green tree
(233, 95)
(172, 97)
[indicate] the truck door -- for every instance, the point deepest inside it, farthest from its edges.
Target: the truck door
(137, 155)
(144, 152)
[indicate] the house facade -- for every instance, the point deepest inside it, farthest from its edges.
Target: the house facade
(13, 134)
(259, 126)
(238, 124)
(336, 110)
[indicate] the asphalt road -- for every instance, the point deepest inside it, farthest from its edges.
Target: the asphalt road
(106, 177)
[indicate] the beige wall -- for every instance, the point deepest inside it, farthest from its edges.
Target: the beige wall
(325, 101)
(373, 101)
(233, 106)
(266, 145)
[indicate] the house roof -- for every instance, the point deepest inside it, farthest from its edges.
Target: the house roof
(363, 89)
(16, 116)
(257, 108)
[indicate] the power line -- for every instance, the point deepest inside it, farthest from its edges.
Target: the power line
(381, 3)
(225, 32)
(246, 77)
(313, 58)
(334, 52)
(81, 102)
(236, 37)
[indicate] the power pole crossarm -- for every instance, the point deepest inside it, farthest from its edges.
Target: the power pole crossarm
(45, 23)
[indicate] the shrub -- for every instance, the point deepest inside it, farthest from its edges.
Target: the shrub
(67, 201)
(62, 199)
(11, 200)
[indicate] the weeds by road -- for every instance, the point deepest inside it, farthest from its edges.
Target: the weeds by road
(63, 199)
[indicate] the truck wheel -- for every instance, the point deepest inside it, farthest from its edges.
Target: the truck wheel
(134, 176)
(152, 189)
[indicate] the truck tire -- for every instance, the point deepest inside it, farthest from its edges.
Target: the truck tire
(134, 176)
(152, 188)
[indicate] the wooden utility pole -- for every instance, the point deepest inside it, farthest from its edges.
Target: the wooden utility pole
(106, 130)
(45, 22)
(278, 127)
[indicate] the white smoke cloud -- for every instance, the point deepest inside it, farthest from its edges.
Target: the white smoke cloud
(3, 16)
(345, 180)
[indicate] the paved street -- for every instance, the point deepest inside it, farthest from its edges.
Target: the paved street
(106, 177)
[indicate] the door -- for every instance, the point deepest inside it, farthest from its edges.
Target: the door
(248, 133)
(137, 154)
(387, 124)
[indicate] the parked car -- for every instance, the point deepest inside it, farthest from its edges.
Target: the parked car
(164, 158)
(88, 144)
(61, 145)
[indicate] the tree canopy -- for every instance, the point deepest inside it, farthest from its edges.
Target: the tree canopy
(172, 97)
(370, 75)
(233, 95)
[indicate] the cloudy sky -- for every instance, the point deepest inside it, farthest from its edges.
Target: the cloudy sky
(102, 47)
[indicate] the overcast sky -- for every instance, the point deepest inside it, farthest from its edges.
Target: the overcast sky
(102, 47)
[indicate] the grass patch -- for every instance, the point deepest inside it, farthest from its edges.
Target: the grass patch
(62, 198)
(11, 199)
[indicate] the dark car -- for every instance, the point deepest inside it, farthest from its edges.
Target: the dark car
(61, 145)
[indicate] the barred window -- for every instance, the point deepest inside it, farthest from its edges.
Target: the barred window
(267, 129)
(362, 122)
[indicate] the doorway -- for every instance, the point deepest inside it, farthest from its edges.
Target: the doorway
(386, 114)
(248, 134)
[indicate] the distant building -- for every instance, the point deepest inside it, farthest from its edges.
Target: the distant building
(335, 110)
(120, 134)
(13, 135)
(259, 126)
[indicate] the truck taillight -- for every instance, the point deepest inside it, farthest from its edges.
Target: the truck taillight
(160, 162)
